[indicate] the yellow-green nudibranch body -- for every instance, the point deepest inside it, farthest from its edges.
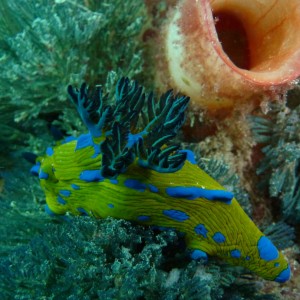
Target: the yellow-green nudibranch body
(127, 171)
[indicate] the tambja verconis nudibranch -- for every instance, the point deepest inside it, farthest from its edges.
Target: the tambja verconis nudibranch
(126, 167)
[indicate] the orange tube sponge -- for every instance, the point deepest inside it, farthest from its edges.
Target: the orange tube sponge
(225, 53)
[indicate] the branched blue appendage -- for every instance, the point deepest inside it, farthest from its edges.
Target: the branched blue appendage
(133, 125)
(116, 157)
(163, 120)
(94, 110)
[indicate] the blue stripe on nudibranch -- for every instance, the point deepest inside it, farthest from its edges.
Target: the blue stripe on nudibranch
(60, 200)
(201, 230)
(75, 186)
(219, 238)
(83, 141)
(110, 205)
(91, 175)
(83, 211)
(235, 253)
(284, 275)
(267, 251)
(143, 218)
(153, 188)
(192, 193)
(176, 215)
(114, 181)
(49, 151)
(190, 156)
(135, 184)
(65, 193)
(43, 175)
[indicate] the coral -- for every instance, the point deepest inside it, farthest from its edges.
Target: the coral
(12, 135)
(279, 133)
(232, 142)
(48, 43)
(22, 213)
(111, 259)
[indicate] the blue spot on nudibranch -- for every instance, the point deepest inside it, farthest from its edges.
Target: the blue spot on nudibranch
(192, 193)
(43, 175)
(83, 211)
(235, 253)
(61, 200)
(49, 151)
(176, 215)
(135, 184)
(198, 254)
(114, 181)
(143, 218)
(247, 258)
(267, 251)
(190, 156)
(91, 175)
(65, 193)
(284, 275)
(35, 169)
(110, 205)
(75, 186)
(219, 238)
(277, 265)
(153, 188)
(201, 230)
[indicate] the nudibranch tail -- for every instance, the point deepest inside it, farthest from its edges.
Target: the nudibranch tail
(127, 167)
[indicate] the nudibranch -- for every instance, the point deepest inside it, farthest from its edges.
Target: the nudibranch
(226, 53)
(127, 167)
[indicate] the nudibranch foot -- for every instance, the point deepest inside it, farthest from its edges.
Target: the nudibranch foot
(126, 167)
